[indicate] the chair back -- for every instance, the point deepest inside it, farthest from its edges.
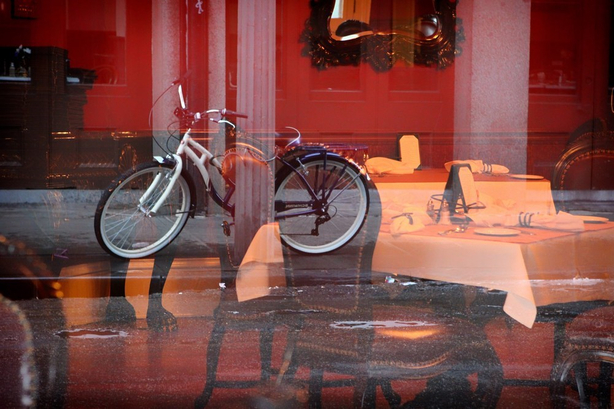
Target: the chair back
(584, 175)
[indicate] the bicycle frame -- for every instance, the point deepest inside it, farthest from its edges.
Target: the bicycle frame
(199, 155)
(310, 181)
(281, 206)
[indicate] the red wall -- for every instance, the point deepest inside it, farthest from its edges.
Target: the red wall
(120, 105)
(340, 104)
(358, 105)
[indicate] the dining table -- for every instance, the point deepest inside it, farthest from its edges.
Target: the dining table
(513, 192)
(534, 266)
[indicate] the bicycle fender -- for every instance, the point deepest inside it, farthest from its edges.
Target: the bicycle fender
(334, 155)
(294, 162)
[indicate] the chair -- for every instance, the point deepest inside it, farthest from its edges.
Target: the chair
(266, 315)
(259, 314)
(387, 345)
(354, 332)
(409, 150)
(582, 178)
(407, 160)
(589, 339)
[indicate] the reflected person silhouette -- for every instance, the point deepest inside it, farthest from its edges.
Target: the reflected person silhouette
(119, 309)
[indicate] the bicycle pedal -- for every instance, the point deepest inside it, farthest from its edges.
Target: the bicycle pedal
(226, 228)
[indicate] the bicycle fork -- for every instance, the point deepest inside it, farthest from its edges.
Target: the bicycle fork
(158, 180)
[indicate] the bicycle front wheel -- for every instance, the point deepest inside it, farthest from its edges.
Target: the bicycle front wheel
(124, 223)
(321, 203)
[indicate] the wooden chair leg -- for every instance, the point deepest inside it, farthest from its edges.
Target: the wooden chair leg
(213, 355)
(266, 352)
(316, 379)
(364, 392)
(581, 377)
(605, 385)
(393, 398)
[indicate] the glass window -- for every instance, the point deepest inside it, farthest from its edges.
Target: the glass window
(96, 38)
(556, 39)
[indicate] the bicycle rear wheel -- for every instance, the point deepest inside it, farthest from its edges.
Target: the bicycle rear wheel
(124, 225)
(320, 204)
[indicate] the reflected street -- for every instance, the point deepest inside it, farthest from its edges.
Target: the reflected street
(168, 331)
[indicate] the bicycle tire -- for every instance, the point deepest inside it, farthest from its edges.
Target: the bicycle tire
(329, 176)
(123, 227)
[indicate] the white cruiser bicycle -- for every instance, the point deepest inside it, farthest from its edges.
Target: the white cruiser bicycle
(321, 198)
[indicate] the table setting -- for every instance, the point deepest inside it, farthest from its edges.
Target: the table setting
(537, 255)
(515, 241)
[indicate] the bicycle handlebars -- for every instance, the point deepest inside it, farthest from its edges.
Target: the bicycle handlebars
(214, 115)
(223, 113)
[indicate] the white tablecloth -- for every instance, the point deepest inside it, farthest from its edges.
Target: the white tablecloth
(545, 268)
(260, 264)
(549, 267)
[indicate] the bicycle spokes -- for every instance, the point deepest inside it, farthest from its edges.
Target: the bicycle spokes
(126, 223)
(320, 204)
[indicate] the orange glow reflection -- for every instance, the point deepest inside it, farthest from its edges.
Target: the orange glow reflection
(408, 334)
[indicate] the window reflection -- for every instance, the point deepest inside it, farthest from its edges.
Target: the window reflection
(556, 37)
(77, 82)
(96, 39)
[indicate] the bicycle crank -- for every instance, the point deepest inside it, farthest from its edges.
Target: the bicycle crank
(226, 228)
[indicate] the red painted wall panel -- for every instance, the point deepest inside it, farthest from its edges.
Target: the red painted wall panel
(115, 42)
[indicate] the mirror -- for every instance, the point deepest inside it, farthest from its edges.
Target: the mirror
(382, 32)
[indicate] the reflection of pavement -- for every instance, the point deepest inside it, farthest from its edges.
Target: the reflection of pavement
(111, 364)
(52, 221)
(58, 226)
(115, 365)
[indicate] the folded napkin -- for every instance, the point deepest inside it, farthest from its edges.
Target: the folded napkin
(478, 166)
(410, 220)
(559, 221)
(381, 165)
